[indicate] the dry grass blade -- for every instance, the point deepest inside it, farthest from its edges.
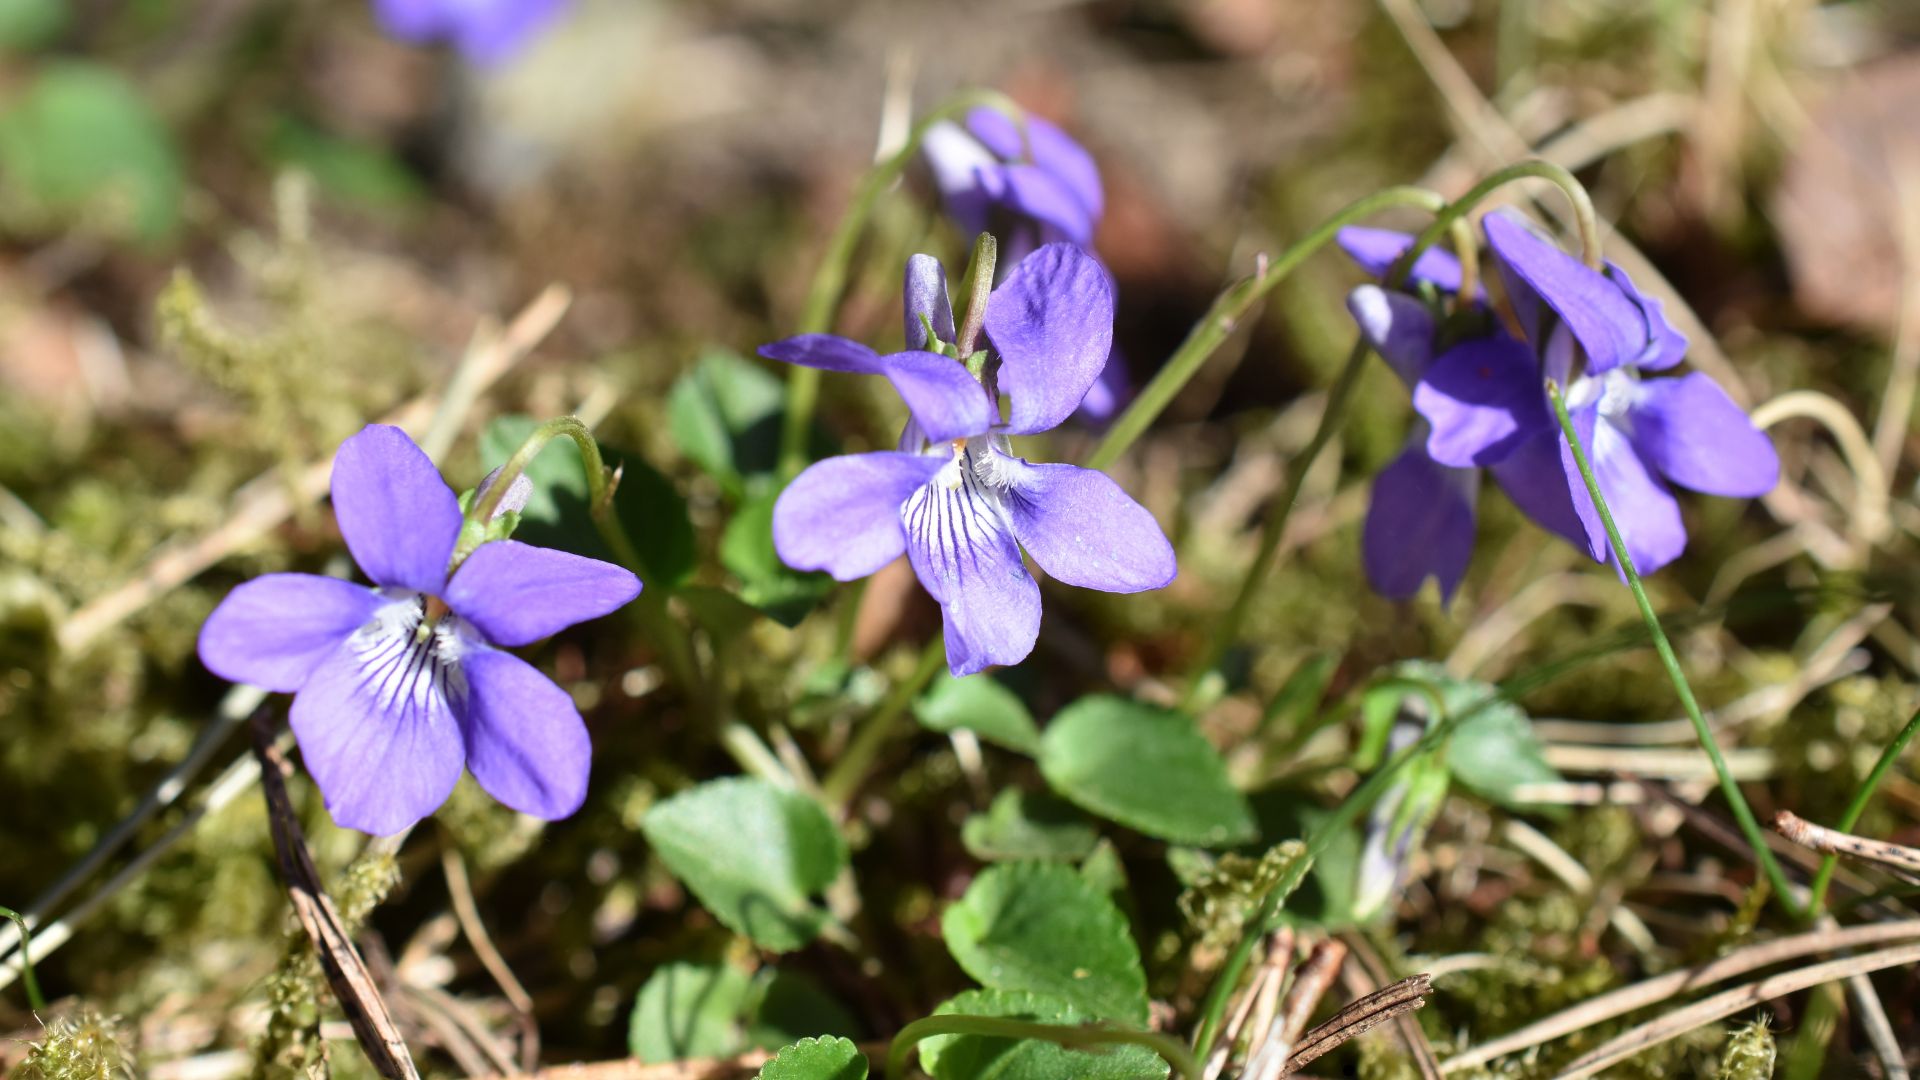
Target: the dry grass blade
(1661, 987)
(726, 1068)
(1725, 1004)
(1357, 1019)
(263, 504)
(1902, 861)
(372, 1024)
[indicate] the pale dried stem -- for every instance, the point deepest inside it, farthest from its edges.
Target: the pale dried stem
(1598, 1010)
(1903, 374)
(1311, 983)
(1897, 859)
(460, 889)
(1720, 1006)
(1561, 865)
(1870, 521)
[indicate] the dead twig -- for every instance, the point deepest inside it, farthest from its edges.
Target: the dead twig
(1722, 1005)
(346, 973)
(1647, 992)
(1357, 1019)
(1901, 861)
(1370, 972)
(1310, 984)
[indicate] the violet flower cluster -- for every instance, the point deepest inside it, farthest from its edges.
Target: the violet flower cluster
(1027, 190)
(953, 497)
(400, 685)
(486, 32)
(1480, 392)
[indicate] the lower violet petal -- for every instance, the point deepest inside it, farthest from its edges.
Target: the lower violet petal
(1397, 326)
(275, 630)
(1420, 525)
(842, 515)
(376, 726)
(1644, 510)
(525, 742)
(1691, 431)
(1083, 529)
(964, 555)
(1536, 478)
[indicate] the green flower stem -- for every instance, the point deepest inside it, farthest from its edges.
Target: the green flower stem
(1446, 218)
(649, 609)
(847, 773)
(830, 280)
(1230, 309)
(1742, 813)
(34, 999)
(980, 269)
(1817, 903)
(1076, 1036)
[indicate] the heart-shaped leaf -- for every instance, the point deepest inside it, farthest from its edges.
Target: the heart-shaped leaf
(1041, 927)
(1146, 768)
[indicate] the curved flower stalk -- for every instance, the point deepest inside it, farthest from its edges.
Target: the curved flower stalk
(953, 497)
(1029, 190)
(400, 685)
(486, 32)
(1480, 394)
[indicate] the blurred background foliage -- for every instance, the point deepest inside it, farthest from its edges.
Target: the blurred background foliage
(233, 231)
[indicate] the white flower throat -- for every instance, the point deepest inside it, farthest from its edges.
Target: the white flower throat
(410, 652)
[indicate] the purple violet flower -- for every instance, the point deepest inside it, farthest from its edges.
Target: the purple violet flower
(487, 32)
(1044, 190)
(1487, 405)
(399, 685)
(953, 497)
(1420, 521)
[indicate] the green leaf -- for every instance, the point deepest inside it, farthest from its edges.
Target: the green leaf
(817, 1059)
(746, 549)
(359, 173)
(1026, 826)
(723, 615)
(1325, 898)
(787, 1006)
(725, 415)
(1493, 749)
(82, 140)
(689, 1011)
(1042, 927)
(1147, 769)
(984, 1057)
(982, 705)
(558, 514)
(28, 24)
(1105, 872)
(754, 854)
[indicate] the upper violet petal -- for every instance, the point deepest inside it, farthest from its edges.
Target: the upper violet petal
(525, 742)
(828, 352)
(1047, 147)
(398, 517)
(1665, 345)
(1691, 431)
(1483, 397)
(275, 630)
(926, 303)
(1108, 395)
(377, 732)
(1610, 328)
(964, 555)
(1051, 322)
(1040, 195)
(1083, 529)
(1419, 525)
(516, 593)
(1398, 326)
(1376, 250)
(945, 400)
(959, 162)
(842, 515)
